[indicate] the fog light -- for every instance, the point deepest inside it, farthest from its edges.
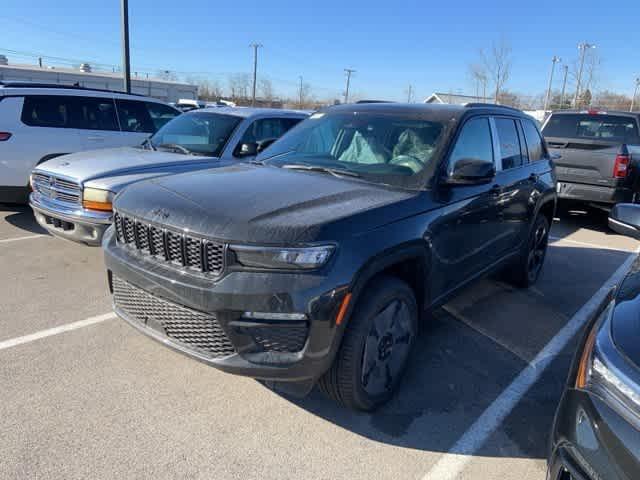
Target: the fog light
(273, 316)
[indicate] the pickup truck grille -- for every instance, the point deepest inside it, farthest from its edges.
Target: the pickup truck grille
(174, 248)
(194, 330)
(56, 188)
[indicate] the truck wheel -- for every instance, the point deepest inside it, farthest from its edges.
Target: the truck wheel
(526, 270)
(375, 346)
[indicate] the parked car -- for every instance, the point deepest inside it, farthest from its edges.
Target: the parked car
(599, 153)
(41, 121)
(314, 265)
(596, 431)
(72, 194)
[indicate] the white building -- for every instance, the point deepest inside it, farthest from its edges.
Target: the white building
(456, 99)
(162, 89)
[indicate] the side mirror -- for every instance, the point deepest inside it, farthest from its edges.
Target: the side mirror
(624, 218)
(248, 150)
(471, 171)
(264, 144)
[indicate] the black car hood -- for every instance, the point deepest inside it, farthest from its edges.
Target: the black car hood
(625, 324)
(255, 204)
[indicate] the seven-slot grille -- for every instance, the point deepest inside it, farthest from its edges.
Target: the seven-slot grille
(183, 250)
(193, 329)
(57, 188)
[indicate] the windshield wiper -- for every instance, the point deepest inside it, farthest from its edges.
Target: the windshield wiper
(175, 146)
(336, 172)
(147, 143)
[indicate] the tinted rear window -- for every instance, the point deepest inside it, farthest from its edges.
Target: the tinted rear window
(59, 111)
(592, 127)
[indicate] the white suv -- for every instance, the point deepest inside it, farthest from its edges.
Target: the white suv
(40, 121)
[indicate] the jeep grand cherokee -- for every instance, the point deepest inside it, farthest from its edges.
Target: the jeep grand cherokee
(314, 264)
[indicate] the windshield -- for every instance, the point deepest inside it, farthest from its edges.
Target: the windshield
(202, 133)
(384, 148)
(592, 127)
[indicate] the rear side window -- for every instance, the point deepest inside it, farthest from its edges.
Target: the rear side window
(474, 143)
(509, 143)
(160, 114)
(266, 128)
(535, 146)
(134, 116)
(592, 127)
(59, 111)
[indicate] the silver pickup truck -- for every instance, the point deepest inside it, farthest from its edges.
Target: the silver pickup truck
(72, 194)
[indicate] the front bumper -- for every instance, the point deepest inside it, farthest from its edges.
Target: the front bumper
(591, 441)
(70, 222)
(224, 301)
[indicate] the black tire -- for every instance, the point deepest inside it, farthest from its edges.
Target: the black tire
(387, 303)
(526, 270)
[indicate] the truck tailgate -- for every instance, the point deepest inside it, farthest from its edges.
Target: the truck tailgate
(583, 161)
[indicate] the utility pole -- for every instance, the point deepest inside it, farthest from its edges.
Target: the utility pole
(564, 85)
(635, 93)
(583, 50)
(554, 60)
(300, 92)
(409, 93)
(126, 67)
(255, 47)
(348, 71)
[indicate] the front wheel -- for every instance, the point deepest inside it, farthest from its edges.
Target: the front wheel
(526, 270)
(375, 347)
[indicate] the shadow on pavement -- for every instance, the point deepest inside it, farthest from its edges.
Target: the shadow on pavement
(464, 360)
(21, 216)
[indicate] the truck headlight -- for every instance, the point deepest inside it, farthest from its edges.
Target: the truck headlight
(283, 258)
(599, 371)
(97, 199)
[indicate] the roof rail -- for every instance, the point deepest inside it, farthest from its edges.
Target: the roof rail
(73, 86)
(374, 101)
(491, 105)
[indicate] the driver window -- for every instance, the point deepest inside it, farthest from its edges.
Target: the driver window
(474, 142)
(134, 117)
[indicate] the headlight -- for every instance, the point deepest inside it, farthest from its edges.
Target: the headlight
(285, 258)
(599, 371)
(97, 199)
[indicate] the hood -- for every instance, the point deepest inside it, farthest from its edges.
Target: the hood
(94, 164)
(625, 323)
(255, 204)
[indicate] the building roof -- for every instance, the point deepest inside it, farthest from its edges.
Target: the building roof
(456, 99)
(77, 71)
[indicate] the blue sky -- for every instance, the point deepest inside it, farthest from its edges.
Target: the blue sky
(391, 44)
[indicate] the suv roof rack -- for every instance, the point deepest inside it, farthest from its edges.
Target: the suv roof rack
(72, 86)
(490, 105)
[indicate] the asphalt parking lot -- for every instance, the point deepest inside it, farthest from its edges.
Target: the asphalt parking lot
(96, 399)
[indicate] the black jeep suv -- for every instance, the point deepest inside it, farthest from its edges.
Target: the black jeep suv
(314, 264)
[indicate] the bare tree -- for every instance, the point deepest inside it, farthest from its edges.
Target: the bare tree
(208, 90)
(305, 96)
(266, 89)
(478, 75)
(590, 72)
(497, 63)
(239, 85)
(612, 100)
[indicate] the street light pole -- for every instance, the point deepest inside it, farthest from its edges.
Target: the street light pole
(554, 60)
(635, 94)
(348, 71)
(300, 103)
(564, 86)
(255, 47)
(583, 49)
(126, 67)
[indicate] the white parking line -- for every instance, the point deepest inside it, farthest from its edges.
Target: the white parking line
(587, 244)
(17, 239)
(14, 342)
(451, 464)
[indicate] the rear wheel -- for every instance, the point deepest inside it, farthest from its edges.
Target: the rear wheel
(375, 347)
(526, 270)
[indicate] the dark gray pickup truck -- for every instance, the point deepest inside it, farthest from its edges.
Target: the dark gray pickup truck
(598, 155)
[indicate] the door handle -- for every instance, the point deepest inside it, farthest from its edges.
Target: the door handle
(534, 177)
(495, 189)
